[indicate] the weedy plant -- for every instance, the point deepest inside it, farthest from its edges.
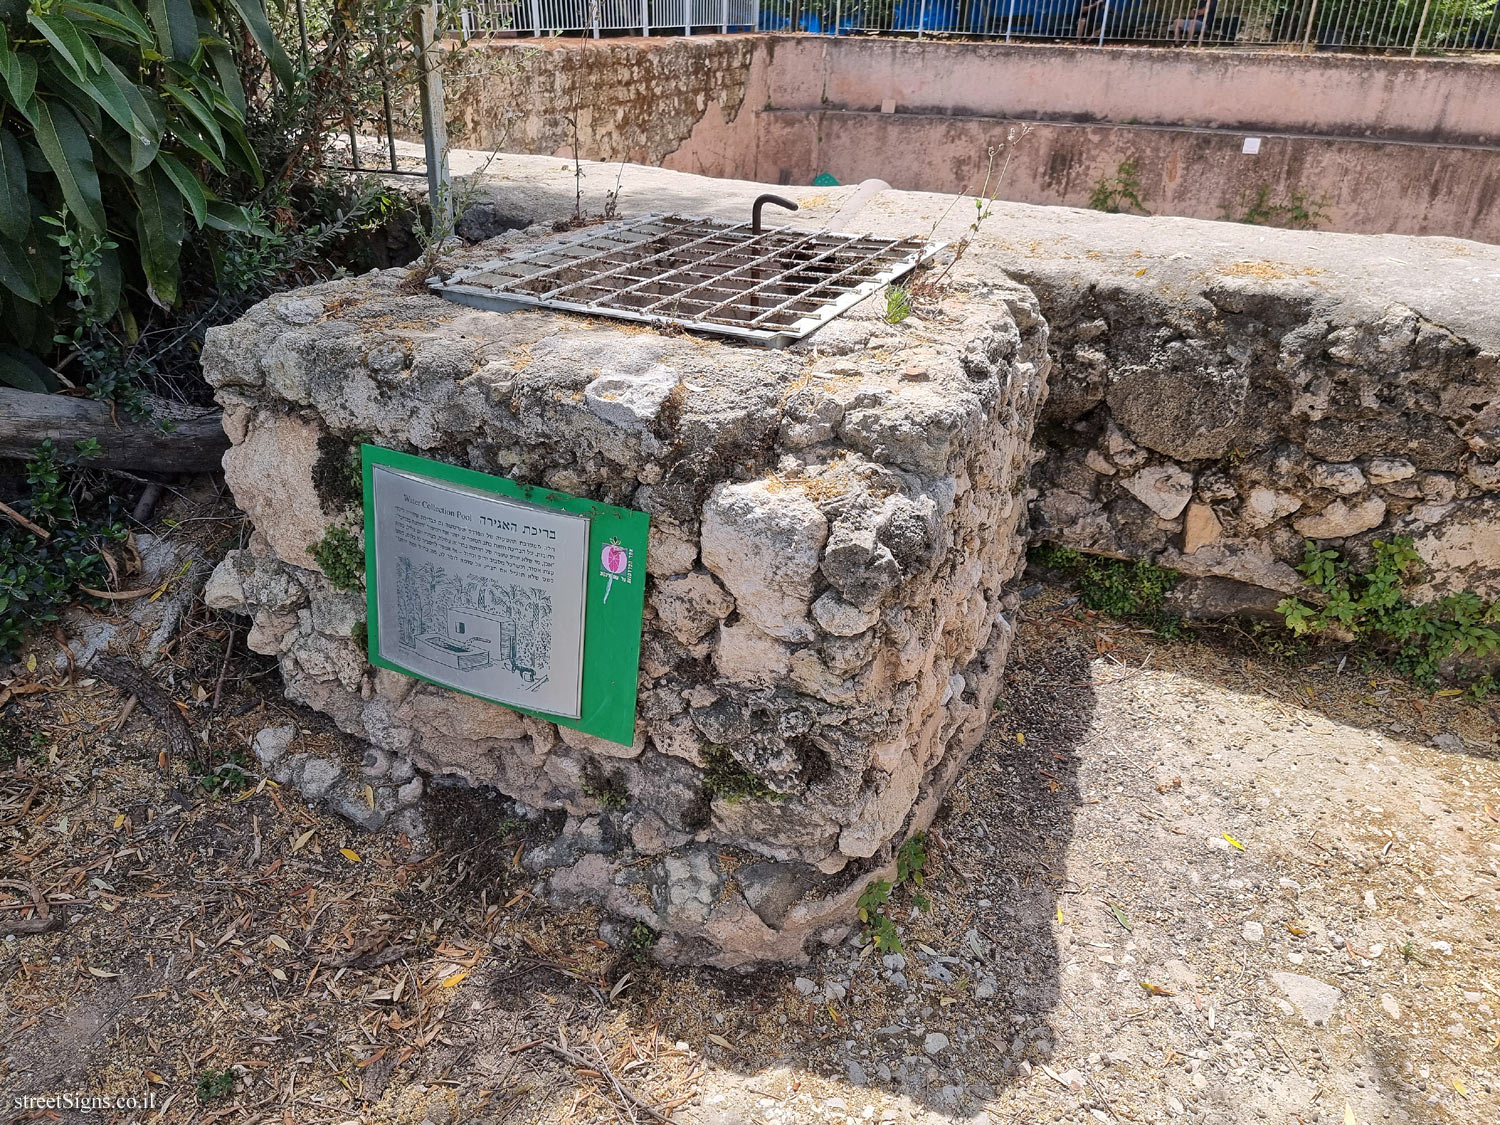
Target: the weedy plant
(726, 778)
(60, 555)
(1297, 211)
(1120, 192)
(898, 303)
(911, 864)
(640, 943)
(1131, 588)
(213, 1085)
(930, 289)
(1374, 606)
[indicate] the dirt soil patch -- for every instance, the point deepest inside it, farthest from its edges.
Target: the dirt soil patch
(1180, 881)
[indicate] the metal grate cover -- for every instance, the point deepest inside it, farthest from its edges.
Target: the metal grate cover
(771, 287)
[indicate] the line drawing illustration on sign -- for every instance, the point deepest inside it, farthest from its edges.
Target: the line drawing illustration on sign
(467, 621)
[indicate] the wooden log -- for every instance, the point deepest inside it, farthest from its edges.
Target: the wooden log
(195, 445)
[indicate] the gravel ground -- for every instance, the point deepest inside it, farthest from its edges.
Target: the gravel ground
(1180, 881)
(1176, 884)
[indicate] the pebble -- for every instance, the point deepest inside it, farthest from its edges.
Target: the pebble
(1391, 1005)
(935, 1043)
(804, 986)
(1253, 931)
(857, 1076)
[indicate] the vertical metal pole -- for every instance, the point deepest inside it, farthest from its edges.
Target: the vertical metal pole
(1312, 14)
(724, 18)
(385, 92)
(434, 127)
(1104, 23)
(1010, 18)
(1203, 27)
(921, 18)
(594, 17)
(536, 19)
(645, 17)
(838, 15)
(1421, 23)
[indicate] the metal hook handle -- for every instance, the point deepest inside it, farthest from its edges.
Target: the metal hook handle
(760, 202)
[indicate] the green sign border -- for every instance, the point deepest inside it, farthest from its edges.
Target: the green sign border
(611, 629)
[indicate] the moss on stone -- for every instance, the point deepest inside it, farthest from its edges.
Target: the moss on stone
(725, 777)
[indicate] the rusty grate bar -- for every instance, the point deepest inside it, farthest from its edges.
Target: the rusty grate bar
(708, 275)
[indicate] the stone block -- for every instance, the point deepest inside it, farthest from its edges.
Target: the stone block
(827, 577)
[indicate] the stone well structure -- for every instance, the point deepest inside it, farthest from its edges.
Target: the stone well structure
(835, 528)
(835, 531)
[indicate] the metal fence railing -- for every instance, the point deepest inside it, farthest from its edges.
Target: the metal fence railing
(647, 17)
(1410, 26)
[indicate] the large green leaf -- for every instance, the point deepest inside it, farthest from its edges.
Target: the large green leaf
(19, 73)
(189, 136)
(74, 47)
(71, 157)
(16, 273)
(15, 207)
(248, 159)
(229, 76)
(160, 228)
(200, 112)
(105, 92)
(232, 217)
(145, 139)
(176, 27)
(253, 12)
(193, 192)
(109, 284)
(124, 18)
(31, 266)
(25, 372)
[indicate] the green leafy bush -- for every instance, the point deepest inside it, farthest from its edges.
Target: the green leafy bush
(1118, 587)
(112, 116)
(38, 575)
(1374, 607)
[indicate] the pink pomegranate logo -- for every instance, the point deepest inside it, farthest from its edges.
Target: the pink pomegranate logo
(615, 561)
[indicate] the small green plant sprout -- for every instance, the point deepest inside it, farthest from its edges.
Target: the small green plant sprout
(340, 555)
(898, 303)
(606, 788)
(871, 911)
(215, 1084)
(1373, 606)
(1120, 192)
(227, 779)
(911, 858)
(640, 943)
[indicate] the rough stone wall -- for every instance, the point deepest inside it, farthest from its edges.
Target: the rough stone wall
(636, 100)
(1215, 433)
(834, 528)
